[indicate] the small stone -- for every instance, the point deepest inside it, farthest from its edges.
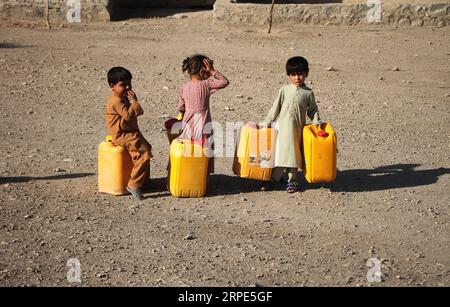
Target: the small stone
(166, 88)
(189, 237)
(58, 170)
(28, 216)
(381, 78)
(102, 276)
(331, 68)
(229, 109)
(178, 16)
(68, 160)
(395, 69)
(447, 95)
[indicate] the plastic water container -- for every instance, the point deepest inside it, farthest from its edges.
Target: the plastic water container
(188, 169)
(254, 157)
(319, 145)
(173, 127)
(114, 168)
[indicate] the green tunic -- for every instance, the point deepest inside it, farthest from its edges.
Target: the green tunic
(288, 115)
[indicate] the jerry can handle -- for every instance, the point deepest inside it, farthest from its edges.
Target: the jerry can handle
(321, 132)
(319, 125)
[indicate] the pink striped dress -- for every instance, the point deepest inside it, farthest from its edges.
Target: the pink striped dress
(194, 103)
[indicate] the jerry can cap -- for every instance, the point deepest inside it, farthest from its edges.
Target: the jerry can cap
(322, 133)
(108, 138)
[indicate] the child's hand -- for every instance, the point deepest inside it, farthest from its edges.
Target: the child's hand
(209, 65)
(132, 95)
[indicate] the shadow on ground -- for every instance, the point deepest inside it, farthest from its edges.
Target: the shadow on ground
(357, 180)
(383, 178)
(19, 179)
(5, 45)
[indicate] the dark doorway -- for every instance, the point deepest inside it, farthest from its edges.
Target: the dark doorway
(126, 9)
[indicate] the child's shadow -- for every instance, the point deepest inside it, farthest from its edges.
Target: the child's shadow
(226, 185)
(157, 188)
(218, 185)
(383, 178)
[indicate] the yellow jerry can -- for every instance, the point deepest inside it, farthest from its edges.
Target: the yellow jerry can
(319, 145)
(173, 127)
(254, 157)
(188, 169)
(114, 168)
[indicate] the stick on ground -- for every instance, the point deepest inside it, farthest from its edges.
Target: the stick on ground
(47, 14)
(271, 16)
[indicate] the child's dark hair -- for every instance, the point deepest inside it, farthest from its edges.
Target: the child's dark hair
(193, 64)
(297, 65)
(117, 74)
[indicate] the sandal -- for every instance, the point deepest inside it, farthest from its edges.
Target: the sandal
(137, 193)
(292, 187)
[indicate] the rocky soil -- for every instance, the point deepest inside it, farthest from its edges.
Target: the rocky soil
(386, 91)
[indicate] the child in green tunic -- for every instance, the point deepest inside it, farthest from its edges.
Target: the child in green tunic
(288, 116)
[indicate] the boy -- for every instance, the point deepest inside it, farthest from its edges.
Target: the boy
(288, 115)
(122, 110)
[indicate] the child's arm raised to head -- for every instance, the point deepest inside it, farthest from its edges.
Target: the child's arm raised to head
(276, 108)
(219, 80)
(313, 110)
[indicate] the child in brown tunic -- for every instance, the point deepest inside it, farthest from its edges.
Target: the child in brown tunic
(122, 110)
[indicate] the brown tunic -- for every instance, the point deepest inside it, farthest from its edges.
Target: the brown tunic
(122, 125)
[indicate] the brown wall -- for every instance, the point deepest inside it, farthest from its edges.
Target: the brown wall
(388, 2)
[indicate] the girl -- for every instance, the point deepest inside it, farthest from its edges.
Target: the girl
(194, 101)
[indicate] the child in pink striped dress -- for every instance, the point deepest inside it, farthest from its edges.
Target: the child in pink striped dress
(194, 101)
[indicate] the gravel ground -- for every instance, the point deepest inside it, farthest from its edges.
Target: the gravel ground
(387, 96)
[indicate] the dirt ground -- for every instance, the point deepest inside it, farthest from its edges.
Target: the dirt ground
(390, 200)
